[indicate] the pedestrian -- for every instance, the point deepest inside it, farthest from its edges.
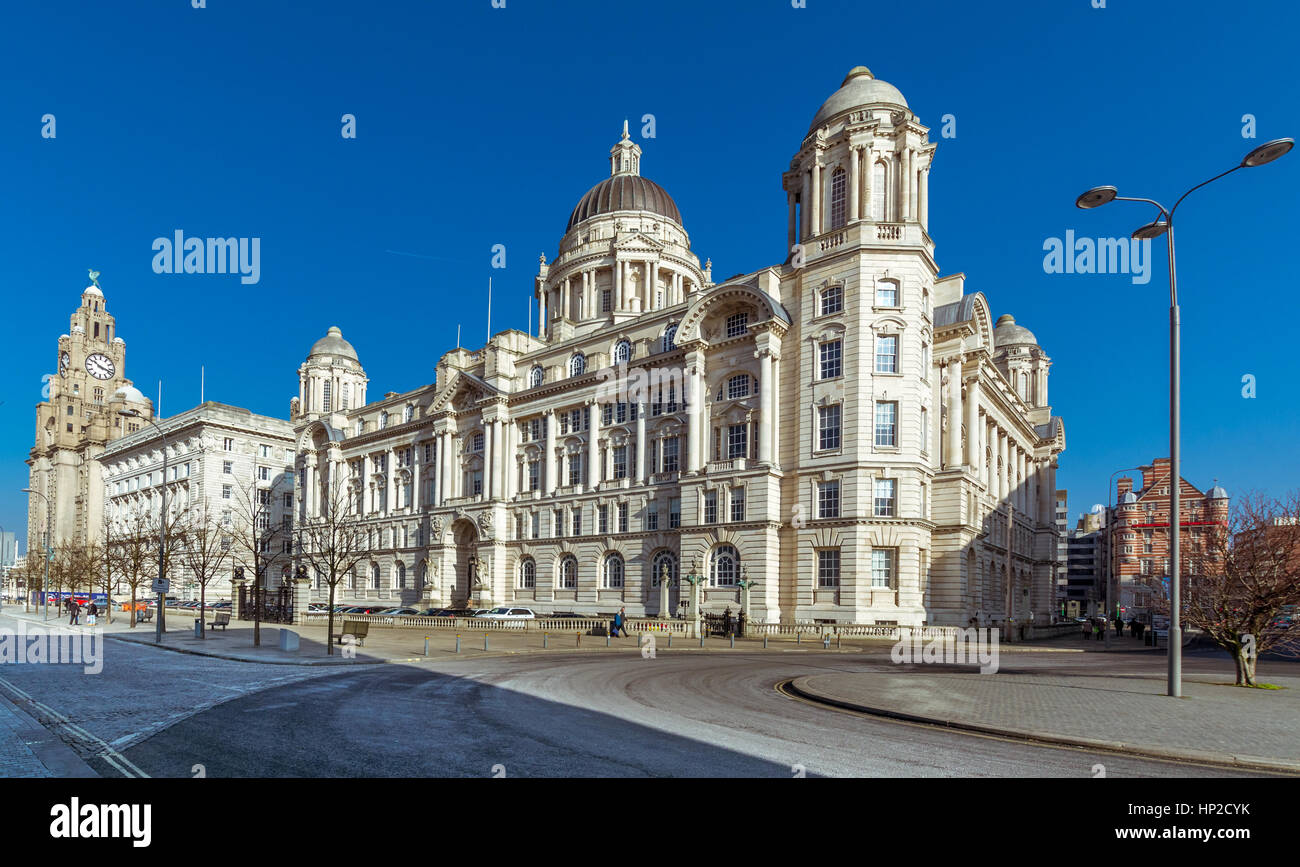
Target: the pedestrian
(620, 623)
(1097, 629)
(74, 610)
(1087, 630)
(92, 614)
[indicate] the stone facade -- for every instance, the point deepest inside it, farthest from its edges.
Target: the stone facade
(846, 431)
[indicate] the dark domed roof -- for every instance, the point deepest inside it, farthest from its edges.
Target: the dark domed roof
(625, 192)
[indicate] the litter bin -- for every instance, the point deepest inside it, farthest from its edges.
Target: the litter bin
(198, 627)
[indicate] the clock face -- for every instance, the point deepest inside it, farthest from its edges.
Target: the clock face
(100, 366)
(64, 359)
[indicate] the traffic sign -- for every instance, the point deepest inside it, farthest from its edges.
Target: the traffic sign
(161, 585)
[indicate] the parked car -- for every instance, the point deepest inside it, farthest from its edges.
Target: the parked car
(317, 607)
(397, 612)
(507, 613)
(223, 603)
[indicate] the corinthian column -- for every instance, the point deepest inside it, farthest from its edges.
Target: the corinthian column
(954, 412)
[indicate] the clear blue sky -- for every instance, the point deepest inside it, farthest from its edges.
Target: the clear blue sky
(478, 126)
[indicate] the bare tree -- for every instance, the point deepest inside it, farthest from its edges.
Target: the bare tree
(1242, 581)
(207, 551)
(333, 542)
(260, 541)
(133, 551)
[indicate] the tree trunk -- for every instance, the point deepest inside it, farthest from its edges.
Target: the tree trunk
(329, 627)
(133, 606)
(203, 594)
(1245, 663)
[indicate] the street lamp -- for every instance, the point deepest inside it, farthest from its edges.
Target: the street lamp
(1095, 198)
(45, 553)
(159, 624)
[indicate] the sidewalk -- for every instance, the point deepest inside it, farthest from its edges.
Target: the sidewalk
(1125, 710)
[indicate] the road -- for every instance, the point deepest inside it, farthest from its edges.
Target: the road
(164, 714)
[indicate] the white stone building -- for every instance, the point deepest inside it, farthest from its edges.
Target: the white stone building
(223, 461)
(846, 429)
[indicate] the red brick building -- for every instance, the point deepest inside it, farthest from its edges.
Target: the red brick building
(1139, 538)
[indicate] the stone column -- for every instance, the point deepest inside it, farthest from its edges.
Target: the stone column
(489, 426)
(764, 405)
(905, 184)
(974, 456)
(790, 227)
(618, 285)
(640, 443)
(923, 199)
(867, 165)
(817, 198)
(550, 444)
(652, 288)
(953, 456)
(593, 447)
(805, 204)
(1003, 468)
(541, 315)
(854, 181)
(695, 414)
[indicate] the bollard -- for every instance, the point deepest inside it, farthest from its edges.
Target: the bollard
(826, 643)
(426, 645)
(839, 641)
(765, 642)
(670, 639)
(701, 641)
(485, 641)
(544, 637)
(607, 639)
(733, 640)
(458, 642)
(579, 639)
(798, 638)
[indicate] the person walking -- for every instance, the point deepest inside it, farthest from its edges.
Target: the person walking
(1087, 630)
(620, 623)
(92, 614)
(74, 612)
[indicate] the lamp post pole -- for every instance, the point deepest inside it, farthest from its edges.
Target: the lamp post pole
(160, 620)
(1096, 197)
(45, 552)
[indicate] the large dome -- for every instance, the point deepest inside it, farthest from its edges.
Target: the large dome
(625, 192)
(333, 344)
(860, 88)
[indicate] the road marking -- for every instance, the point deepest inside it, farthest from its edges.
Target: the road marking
(76, 733)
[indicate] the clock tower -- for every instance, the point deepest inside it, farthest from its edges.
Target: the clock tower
(78, 418)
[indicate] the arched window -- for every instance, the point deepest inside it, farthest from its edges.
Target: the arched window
(374, 576)
(577, 364)
(664, 561)
(361, 426)
(422, 575)
(569, 572)
(527, 574)
(839, 189)
(623, 352)
(832, 300)
(614, 572)
(383, 419)
(670, 333)
(737, 387)
(345, 395)
(401, 576)
(409, 413)
(352, 580)
(328, 407)
(724, 569)
(535, 376)
(879, 200)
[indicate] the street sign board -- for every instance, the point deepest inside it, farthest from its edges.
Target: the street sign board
(161, 585)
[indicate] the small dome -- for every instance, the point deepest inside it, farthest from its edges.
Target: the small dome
(117, 340)
(333, 344)
(1098, 508)
(1008, 333)
(1128, 498)
(1217, 493)
(860, 88)
(93, 290)
(129, 393)
(625, 193)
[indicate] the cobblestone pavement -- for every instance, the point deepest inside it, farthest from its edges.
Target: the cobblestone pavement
(1125, 706)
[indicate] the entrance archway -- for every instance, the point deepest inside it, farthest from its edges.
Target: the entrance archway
(465, 536)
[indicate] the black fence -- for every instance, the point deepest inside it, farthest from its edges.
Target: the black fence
(275, 605)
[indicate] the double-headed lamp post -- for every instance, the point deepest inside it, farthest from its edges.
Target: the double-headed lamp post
(159, 624)
(45, 553)
(1094, 198)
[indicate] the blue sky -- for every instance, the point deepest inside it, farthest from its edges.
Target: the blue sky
(479, 126)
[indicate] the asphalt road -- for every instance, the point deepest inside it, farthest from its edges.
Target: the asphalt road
(165, 714)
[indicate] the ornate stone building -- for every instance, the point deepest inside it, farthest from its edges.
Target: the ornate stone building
(74, 424)
(849, 433)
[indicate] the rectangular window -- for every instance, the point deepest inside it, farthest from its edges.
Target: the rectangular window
(604, 519)
(264, 474)
(882, 567)
(828, 499)
(557, 522)
(534, 475)
(828, 568)
(887, 354)
(620, 462)
(711, 507)
(738, 387)
(829, 359)
(925, 430)
(476, 482)
(228, 444)
(575, 469)
(886, 423)
(736, 324)
(737, 504)
(228, 467)
(537, 525)
(672, 447)
(828, 427)
(886, 294)
(577, 521)
(674, 513)
(622, 517)
(832, 300)
(652, 517)
(886, 505)
(737, 441)
(226, 491)
(604, 301)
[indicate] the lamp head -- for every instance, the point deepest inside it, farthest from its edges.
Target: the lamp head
(1096, 197)
(1267, 152)
(1151, 230)
(129, 413)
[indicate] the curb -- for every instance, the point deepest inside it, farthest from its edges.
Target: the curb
(1198, 756)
